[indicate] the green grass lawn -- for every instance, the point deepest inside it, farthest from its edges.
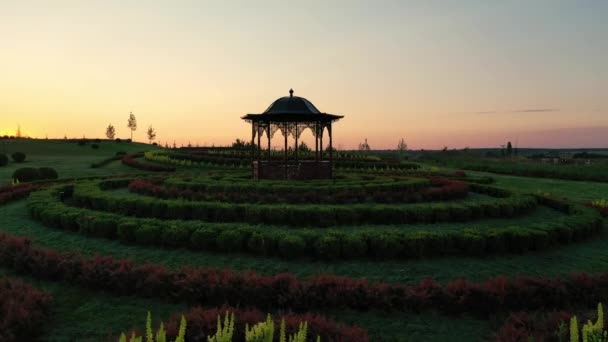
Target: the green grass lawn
(572, 190)
(69, 159)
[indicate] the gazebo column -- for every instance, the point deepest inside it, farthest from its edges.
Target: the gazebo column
(253, 127)
(317, 141)
(268, 133)
(331, 151)
(321, 144)
(259, 146)
(296, 148)
(285, 158)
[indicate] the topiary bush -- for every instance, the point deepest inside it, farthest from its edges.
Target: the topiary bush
(47, 173)
(3, 160)
(95, 146)
(26, 174)
(18, 157)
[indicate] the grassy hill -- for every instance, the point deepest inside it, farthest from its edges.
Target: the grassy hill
(67, 157)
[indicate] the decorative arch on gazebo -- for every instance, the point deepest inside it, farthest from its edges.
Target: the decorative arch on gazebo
(291, 115)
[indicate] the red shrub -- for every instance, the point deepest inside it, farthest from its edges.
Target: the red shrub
(23, 310)
(13, 192)
(211, 286)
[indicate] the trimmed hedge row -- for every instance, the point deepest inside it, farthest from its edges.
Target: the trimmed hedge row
(377, 243)
(24, 310)
(89, 195)
(210, 286)
(13, 192)
(242, 160)
(376, 165)
(104, 162)
(442, 189)
(130, 160)
(213, 184)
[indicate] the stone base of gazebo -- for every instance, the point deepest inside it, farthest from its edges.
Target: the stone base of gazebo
(302, 170)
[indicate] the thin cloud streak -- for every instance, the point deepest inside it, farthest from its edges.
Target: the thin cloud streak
(536, 110)
(528, 110)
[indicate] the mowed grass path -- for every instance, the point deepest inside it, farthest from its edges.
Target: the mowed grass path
(586, 256)
(68, 158)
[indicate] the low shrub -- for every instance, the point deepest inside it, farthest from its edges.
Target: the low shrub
(18, 157)
(30, 174)
(309, 214)
(3, 159)
(26, 174)
(373, 242)
(95, 146)
(47, 173)
(212, 286)
(13, 192)
(24, 310)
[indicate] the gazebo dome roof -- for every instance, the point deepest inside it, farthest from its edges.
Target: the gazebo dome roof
(292, 108)
(292, 105)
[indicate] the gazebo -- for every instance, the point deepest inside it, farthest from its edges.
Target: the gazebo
(291, 115)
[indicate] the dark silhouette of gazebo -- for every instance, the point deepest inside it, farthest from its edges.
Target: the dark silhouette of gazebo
(291, 115)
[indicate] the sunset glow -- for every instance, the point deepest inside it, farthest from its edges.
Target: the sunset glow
(466, 73)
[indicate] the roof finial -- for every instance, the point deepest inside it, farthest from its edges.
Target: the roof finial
(290, 92)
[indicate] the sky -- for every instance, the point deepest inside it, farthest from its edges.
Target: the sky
(455, 73)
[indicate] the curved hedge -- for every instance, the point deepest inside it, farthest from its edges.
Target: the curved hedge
(402, 192)
(241, 160)
(377, 242)
(211, 286)
(130, 160)
(89, 195)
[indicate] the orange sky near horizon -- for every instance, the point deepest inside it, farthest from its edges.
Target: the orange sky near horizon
(468, 73)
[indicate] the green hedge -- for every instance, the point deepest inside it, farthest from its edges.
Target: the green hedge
(377, 243)
(237, 185)
(89, 195)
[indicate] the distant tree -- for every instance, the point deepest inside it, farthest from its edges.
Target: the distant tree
(238, 144)
(132, 124)
(509, 149)
(151, 134)
(110, 132)
(364, 146)
(401, 148)
(303, 147)
(65, 137)
(18, 135)
(174, 145)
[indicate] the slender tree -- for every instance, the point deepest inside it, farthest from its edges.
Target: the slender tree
(509, 149)
(132, 124)
(151, 134)
(110, 132)
(401, 147)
